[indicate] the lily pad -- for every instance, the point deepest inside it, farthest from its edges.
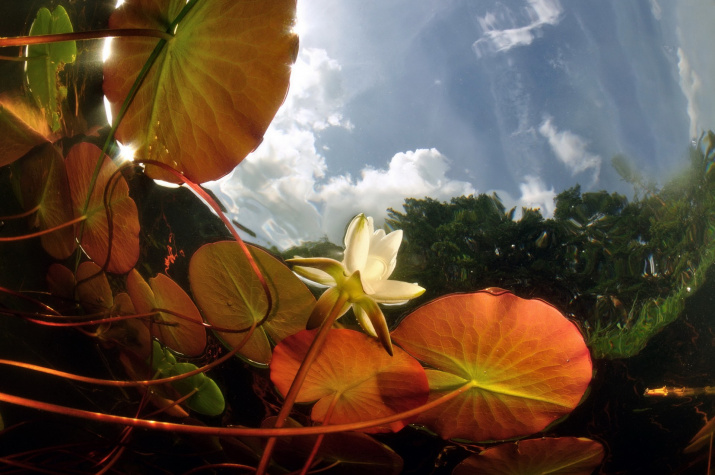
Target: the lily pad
(231, 296)
(346, 453)
(352, 379)
(214, 88)
(121, 249)
(557, 456)
(46, 60)
(93, 289)
(22, 128)
(184, 336)
(526, 365)
(43, 183)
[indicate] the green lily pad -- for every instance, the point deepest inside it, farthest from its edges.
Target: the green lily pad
(45, 61)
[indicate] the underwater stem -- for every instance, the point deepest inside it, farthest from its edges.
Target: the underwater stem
(229, 431)
(319, 439)
(43, 232)
(23, 214)
(83, 35)
(297, 383)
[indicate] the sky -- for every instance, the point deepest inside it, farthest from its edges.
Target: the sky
(392, 99)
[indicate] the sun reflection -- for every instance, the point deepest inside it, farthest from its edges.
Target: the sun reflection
(126, 153)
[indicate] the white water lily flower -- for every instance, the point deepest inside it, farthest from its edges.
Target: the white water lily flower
(361, 279)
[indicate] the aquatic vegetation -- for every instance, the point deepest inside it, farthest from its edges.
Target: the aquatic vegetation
(567, 455)
(623, 269)
(361, 280)
(216, 351)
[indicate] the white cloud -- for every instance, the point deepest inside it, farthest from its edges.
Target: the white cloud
(535, 195)
(570, 149)
(501, 32)
(415, 174)
(316, 94)
(690, 84)
(656, 10)
(281, 192)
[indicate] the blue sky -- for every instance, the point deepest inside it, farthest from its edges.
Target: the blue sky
(402, 98)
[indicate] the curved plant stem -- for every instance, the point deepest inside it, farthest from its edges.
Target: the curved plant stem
(83, 35)
(116, 383)
(297, 383)
(43, 232)
(217, 209)
(21, 215)
(229, 431)
(46, 308)
(319, 439)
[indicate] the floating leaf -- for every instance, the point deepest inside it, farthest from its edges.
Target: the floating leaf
(527, 364)
(230, 295)
(93, 289)
(354, 374)
(139, 370)
(184, 336)
(214, 88)
(558, 456)
(346, 453)
(131, 335)
(22, 128)
(46, 60)
(96, 240)
(207, 399)
(60, 281)
(43, 183)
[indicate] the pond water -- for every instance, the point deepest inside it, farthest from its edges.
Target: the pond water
(558, 150)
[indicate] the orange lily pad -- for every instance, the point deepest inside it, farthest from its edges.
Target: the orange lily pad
(352, 379)
(214, 88)
(22, 128)
(564, 456)
(60, 281)
(231, 296)
(43, 183)
(121, 250)
(525, 364)
(184, 335)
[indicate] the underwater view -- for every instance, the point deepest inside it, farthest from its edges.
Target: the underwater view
(341, 237)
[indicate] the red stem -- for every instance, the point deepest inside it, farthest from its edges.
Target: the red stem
(112, 382)
(20, 215)
(229, 431)
(82, 35)
(319, 439)
(43, 232)
(297, 383)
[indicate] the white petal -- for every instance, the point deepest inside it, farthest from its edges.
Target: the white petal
(394, 291)
(376, 268)
(357, 243)
(383, 255)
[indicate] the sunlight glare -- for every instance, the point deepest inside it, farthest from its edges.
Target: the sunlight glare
(108, 110)
(300, 26)
(166, 184)
(126, 153)
(106, 49)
